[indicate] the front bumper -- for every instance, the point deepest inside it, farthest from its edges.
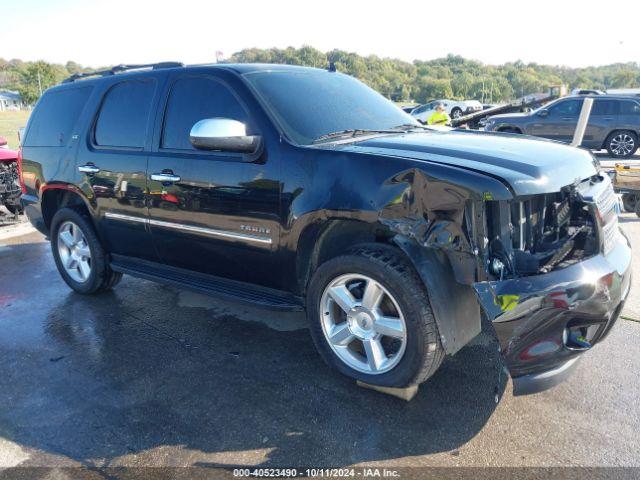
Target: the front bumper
(544, 322)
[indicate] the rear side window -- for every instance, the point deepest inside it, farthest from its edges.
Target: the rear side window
(604, 107)
(55, 116)
(629, 108)
(125, 113)
(193, 99)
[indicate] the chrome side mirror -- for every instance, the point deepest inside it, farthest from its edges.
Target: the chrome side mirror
(223, 134)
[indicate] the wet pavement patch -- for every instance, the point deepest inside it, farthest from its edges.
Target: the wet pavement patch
(151, 375)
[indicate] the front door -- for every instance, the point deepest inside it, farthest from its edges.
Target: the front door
(112, 166)
(211, 212)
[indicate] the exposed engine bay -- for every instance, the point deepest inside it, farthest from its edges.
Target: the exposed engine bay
(10, 186)
(540, 233)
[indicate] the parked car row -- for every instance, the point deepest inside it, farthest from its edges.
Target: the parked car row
(614, 123)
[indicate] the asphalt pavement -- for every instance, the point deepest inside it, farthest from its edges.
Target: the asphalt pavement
(149, 375)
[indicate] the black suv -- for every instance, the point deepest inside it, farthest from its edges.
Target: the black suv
(300, 188)
(614, 123)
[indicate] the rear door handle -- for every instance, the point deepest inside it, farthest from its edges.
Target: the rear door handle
(165, 177)
(88, 168)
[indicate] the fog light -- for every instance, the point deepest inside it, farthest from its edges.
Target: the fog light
(576, 338)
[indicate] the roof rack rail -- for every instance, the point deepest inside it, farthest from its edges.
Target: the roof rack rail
(122, 68)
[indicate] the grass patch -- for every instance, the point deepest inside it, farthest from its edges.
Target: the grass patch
(10, 122)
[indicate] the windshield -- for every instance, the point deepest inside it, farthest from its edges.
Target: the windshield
(309, 104)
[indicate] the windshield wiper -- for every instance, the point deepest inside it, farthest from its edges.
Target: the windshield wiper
(409, 126)
(354, 132)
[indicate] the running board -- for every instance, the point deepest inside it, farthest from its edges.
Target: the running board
(207, 284)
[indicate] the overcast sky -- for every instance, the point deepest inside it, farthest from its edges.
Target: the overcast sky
(103, 32)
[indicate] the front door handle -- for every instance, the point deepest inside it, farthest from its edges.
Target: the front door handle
(165, 177)
(88, 168)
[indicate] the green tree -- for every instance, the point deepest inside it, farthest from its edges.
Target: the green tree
(36, 77)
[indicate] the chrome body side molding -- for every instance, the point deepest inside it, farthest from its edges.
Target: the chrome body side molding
(247, 237)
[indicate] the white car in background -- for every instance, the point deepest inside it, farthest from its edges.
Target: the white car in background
(454, 108)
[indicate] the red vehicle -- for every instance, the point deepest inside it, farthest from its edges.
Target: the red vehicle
(9, 179)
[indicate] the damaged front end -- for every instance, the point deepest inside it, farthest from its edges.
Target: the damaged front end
(10, 185)
(550, 270)
(557, 275)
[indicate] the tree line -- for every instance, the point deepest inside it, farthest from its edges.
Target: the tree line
(449, 77)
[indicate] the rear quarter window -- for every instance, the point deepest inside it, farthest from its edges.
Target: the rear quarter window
(629, 107)
(55, 116)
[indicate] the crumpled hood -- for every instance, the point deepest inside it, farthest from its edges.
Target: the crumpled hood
(528, 165)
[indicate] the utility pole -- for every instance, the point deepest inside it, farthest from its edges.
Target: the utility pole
(39, 83)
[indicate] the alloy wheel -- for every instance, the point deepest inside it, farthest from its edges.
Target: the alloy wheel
(363, 324)
(74, 252)
(622, 144)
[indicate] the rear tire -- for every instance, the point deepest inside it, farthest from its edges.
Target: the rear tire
(622, 144)
(401, 322)
(79, 256)
(629, 202)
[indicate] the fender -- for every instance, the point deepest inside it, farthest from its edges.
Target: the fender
(66, 187)
(455, 306)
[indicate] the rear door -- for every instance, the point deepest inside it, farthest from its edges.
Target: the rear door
(219, 214)
(112, 164)
(602, 121)
(629, 115)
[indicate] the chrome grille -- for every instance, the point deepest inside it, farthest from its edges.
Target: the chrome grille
(606, 205)
(606, 201)
(609, 235)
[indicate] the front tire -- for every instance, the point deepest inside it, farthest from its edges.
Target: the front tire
(622, 144)
(371, 320)
(79, 256)
(456, 113)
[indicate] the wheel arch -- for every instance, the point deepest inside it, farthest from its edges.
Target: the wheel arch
(458, 322)
(322, 241)
(57, 196)
(506, 128)
(605, 142)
